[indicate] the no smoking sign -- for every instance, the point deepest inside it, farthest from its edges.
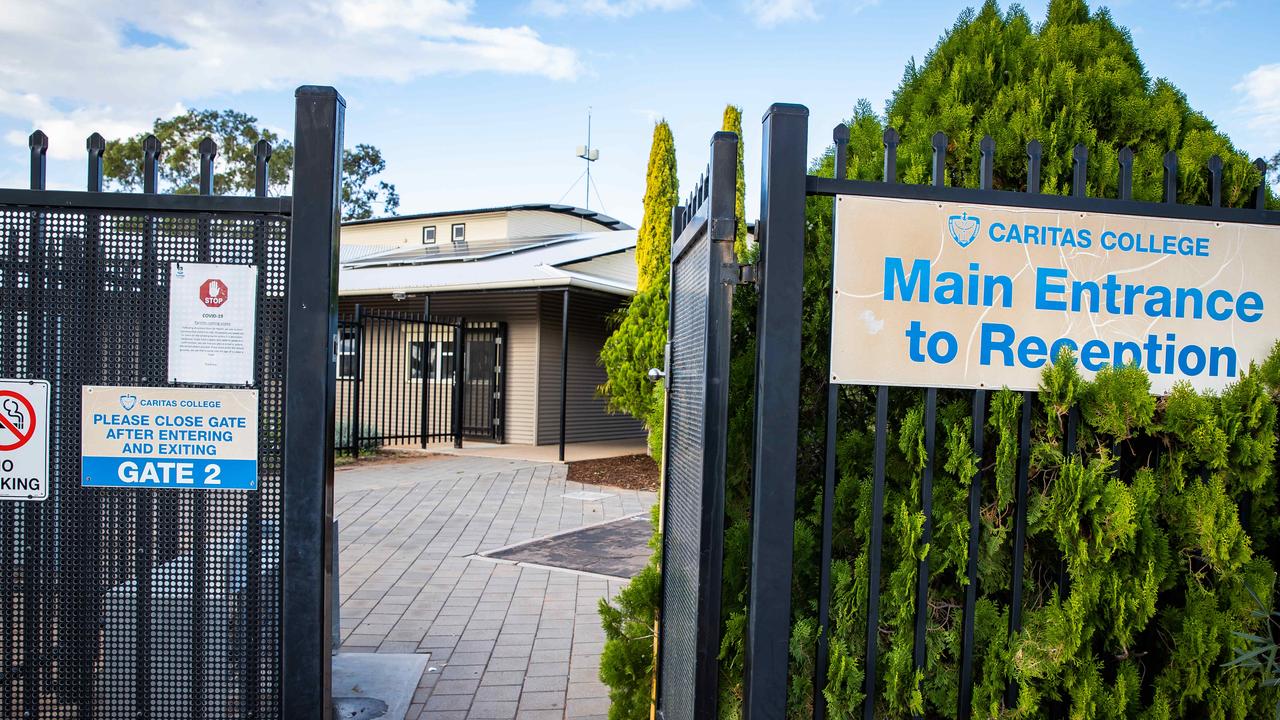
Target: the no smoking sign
(24, 439)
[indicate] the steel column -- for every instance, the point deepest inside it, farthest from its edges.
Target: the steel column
(312, 306)
(564, 365)
(781, 236)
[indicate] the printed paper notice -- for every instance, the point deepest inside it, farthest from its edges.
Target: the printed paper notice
(212, 314)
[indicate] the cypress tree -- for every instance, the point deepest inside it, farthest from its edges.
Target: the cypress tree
(661, 191)
(1076, 78)
(733, 124)
(641, 334)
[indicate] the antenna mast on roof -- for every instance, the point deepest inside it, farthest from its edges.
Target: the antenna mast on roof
(586, 152)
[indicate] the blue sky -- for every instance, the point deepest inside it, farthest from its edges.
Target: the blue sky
(478, 104)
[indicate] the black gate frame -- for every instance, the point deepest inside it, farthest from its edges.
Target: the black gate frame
(780, 231)
(455, 408)
(305, 604)
(696, 422)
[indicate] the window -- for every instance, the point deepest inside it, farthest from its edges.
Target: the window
(435, 364)
(429, 235)
(460, 233)
(348, 337)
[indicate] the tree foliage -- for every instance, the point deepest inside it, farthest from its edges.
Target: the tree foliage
(637, 343)
(733, 124)
(237, 134)
(661, 193)
(1076, 78)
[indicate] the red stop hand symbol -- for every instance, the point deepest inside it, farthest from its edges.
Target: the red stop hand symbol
(213, 293)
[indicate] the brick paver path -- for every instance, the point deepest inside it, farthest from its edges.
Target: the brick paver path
(505, 641)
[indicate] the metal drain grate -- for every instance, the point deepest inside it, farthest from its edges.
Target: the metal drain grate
(618, 549)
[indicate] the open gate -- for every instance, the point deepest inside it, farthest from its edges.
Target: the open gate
(703, 274)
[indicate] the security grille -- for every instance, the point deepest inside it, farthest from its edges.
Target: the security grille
(130, 603)
(682, 563)
(697, 382)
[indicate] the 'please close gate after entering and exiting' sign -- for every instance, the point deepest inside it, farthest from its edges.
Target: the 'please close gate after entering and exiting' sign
(169, 438)
(982, 296)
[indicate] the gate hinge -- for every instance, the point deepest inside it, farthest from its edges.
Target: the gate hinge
(737, 274)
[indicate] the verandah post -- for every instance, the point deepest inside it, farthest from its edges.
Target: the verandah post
(781, 236)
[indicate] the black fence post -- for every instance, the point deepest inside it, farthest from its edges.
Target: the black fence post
(781, 235)
(424, 373)
(312, 305)
(357, 380)
(459, 371)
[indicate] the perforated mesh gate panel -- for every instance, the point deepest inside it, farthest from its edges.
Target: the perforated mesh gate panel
(682, 563)
(131, 603)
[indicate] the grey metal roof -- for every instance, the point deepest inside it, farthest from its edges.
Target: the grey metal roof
(609, 222)
(535, 262)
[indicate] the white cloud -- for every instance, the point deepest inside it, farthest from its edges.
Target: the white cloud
(768, 13)
(771, 13)
(604, 8)
(75, 66)
(1205, 6)
(1260, 101)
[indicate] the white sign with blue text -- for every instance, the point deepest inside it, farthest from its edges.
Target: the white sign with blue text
(984, 296)
(169, 438)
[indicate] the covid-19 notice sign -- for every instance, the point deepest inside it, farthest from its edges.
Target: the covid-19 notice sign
(169, 438)
(983, 296)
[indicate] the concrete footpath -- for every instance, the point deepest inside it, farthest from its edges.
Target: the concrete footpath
(505, 640)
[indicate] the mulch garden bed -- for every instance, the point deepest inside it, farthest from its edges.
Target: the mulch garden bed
(630, 472)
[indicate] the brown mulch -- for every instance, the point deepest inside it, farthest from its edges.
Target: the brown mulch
(630, 472)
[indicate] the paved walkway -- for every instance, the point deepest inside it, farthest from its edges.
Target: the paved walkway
(505, 641)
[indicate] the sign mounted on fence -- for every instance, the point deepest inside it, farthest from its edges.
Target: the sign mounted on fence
(169, 438)
(24, 439)
(212, 319)
(965, 295)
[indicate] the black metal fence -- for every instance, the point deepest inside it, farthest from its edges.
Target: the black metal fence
(703, 274)
(689, 553)
(147, 603)
(398, 380)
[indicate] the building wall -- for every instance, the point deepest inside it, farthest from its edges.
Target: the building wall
(619, 266)
(519, 311)
(480, 228)
(586, 416)
(536, 223)
(489, 226)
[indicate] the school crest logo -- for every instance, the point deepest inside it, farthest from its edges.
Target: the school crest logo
(964, 229)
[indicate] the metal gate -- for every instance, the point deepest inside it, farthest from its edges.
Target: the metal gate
(169, 603)
(398, 380)
(697, 381)
(694, 481)
(484, 347)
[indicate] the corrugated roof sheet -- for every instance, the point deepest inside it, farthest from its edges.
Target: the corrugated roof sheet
(530, 263)
(609, 222)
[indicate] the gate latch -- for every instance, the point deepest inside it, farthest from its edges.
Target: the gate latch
(736, 274)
